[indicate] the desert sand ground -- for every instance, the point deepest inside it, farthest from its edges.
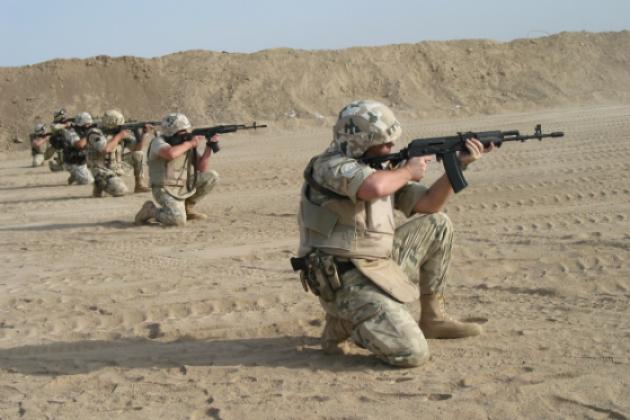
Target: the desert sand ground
(103, 319)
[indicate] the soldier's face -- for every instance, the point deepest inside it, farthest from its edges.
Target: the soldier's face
(379, 150)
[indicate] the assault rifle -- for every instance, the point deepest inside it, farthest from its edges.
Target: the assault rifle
(445, 148)
(134, 127)
(209, 132)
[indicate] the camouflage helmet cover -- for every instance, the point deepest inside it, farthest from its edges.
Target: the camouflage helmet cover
(82, 119)
(174, 122)
(363, 124)
(112, 119)
(60, 116)
(40, 129)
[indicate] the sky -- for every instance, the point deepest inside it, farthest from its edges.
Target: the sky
(34, 31)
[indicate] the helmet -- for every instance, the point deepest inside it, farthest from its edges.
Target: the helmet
(82, 119)
(112, 119)
(40, 129)
(174, 122)
(60, 116)
(363, 124)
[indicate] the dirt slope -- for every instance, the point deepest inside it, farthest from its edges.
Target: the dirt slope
(294, 87)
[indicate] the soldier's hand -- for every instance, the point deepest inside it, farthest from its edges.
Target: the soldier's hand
(148, 128)
(417, 167)
(474, 151)
(196, 140)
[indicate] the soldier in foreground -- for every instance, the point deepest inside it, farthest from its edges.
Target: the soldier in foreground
(179, 177)
(39, 143)
(363, 268)
(105, 156)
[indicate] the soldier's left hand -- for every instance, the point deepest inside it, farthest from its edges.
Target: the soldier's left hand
(474, 151)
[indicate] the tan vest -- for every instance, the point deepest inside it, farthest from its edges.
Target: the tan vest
(171, 175)
(361, 231)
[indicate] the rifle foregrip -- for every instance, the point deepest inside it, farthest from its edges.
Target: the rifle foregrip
(214, 145)
(454, 172)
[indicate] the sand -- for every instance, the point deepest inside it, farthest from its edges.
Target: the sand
(102, 319)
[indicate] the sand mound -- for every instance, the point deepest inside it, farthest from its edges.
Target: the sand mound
(293, 88)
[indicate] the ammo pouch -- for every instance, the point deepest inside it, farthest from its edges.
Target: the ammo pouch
(318, 273)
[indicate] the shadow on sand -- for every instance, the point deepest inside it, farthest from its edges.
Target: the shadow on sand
(70, 358)
(114, 224)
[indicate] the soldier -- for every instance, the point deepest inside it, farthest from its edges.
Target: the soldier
(39, 142)
(55, 144)
(105, 150)
(179, 177)
(363, 267)
(74, 145)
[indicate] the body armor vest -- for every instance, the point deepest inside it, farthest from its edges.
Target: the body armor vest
(361, 231)
(344, 228)
(172, 175)
(101, 159)
(72, 155)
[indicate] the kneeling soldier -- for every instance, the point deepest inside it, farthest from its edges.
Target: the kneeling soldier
(39, 141)
(362, 266)
(105, 149)
(74, 144)
(179, 176)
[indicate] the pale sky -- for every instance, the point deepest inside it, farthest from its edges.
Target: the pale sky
(34, 31)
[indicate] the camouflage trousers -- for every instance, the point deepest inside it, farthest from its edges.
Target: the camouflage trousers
(173, 210)
(107, 180)
(79, 174)
(376, 321)
(38, 160)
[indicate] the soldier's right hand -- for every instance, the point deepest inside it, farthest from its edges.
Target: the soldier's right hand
(417, 167)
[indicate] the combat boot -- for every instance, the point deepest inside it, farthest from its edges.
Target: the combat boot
(146, 212)
(336, 332)
(435, 323)
(192, 214)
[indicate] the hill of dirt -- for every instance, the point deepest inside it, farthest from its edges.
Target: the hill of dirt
(293, 88)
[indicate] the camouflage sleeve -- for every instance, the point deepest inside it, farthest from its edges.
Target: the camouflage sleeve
(341, 174)
(406, 198)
